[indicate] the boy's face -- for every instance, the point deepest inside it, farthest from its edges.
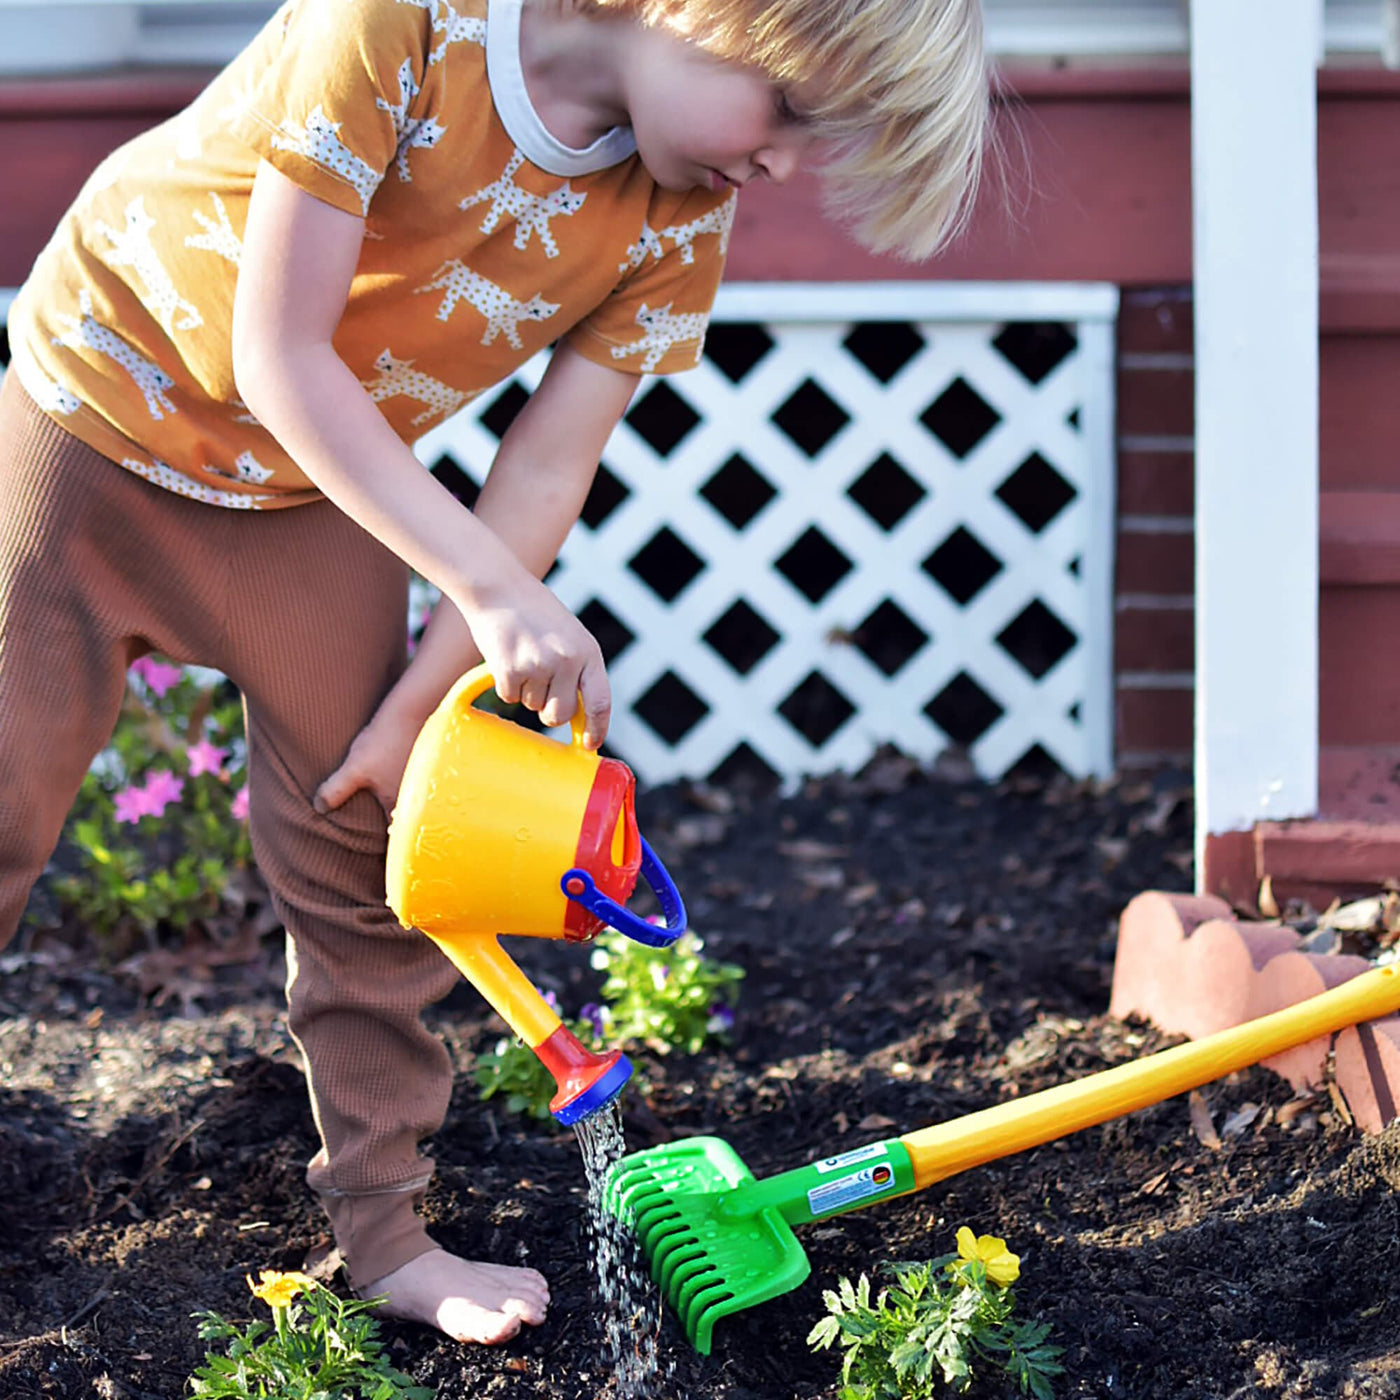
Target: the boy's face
(700, 121)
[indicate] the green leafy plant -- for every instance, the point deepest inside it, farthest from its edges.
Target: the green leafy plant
(672, 998)
(934, 1325)
(512, 1070)
(159, 827)
(319, 1347)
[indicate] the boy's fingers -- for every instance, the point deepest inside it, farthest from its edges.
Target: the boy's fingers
(597, 704)
(562, 700)
(339, 786)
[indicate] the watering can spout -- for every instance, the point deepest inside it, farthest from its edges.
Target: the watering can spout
(587, 1082)
(498, 830)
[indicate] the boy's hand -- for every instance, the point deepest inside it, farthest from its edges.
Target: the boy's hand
(375, 762)
(541, 656)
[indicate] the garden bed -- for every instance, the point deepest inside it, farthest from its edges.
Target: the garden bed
(916, 948)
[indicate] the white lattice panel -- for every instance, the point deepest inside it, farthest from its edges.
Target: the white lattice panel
(917, 549)
(874, 515)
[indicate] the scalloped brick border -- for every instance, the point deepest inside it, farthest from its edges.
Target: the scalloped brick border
(1186, 964)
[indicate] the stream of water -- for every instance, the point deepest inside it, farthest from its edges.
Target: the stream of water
(630, 1302)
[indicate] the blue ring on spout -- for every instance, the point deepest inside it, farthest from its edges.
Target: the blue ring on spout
(598, 1095)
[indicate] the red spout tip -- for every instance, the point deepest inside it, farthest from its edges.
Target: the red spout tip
(587, 1082)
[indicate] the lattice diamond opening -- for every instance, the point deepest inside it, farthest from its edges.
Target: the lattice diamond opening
(960, 418)
(810, 417)
(499, 412)
(666, 564)
(816, 709)
(742, 637)
(611, 633)
(1035, 493)
(884, 347)
(1036, 639)
(736, 347)
(814, 566)
(448, 470)
(662, 417)
(889, 637)
(605, 495)
(670, 707)
(962, 566)
(1036, 348)
(738, 492)
(886, 492)
(963, 710)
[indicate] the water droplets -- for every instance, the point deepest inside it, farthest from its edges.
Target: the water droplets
(630, 1302)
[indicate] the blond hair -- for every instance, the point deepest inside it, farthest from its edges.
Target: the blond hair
(904, 99)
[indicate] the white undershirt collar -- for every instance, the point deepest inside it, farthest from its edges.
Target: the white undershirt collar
(517, 113)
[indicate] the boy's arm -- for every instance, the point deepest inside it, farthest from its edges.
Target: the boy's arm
(532, 496)
(298, 261)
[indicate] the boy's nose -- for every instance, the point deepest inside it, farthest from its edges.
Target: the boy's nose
(777, 164)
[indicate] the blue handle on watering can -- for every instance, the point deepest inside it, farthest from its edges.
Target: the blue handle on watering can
(578, 885)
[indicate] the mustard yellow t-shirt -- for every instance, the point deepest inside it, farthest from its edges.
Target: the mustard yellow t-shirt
(485, 240)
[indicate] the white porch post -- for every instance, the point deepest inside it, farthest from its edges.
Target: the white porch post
(1254, 147)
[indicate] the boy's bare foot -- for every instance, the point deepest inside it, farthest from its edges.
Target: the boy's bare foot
(470, 1302)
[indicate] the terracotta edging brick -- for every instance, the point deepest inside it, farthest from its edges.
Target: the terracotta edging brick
(1186, 964)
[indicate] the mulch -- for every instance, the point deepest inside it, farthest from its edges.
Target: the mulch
(917, 946)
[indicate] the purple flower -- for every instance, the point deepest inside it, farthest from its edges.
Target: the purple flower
(238, 808)
(593, 1014)
(157, 674)
(550, 1000)
(721, 1019)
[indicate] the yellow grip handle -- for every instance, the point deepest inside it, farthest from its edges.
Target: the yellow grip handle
(948, 1148)
(479, 680)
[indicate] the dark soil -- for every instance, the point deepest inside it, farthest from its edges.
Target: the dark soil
(916, 948)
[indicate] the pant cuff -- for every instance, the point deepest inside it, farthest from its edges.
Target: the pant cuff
(377, 1234)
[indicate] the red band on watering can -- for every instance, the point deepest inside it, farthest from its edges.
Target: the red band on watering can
(610, 803)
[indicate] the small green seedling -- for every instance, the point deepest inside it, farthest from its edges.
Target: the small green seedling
(319, 1347)
(934, 1325)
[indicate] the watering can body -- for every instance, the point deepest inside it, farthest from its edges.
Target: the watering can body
(500, 830)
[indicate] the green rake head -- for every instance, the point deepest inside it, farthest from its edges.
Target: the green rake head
(714, 1239)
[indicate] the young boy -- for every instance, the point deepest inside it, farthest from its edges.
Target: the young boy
(375, 213)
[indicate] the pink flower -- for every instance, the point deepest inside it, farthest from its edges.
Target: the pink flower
(162, 789)
(131, 804)
(239, 806)
(157, 674)
(205, 757)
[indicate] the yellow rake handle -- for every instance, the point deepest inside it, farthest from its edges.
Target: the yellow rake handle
(948, 1148)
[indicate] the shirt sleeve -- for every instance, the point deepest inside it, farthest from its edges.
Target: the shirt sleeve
(333, 91)
(654, 322)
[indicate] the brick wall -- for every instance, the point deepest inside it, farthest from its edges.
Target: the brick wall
(1154, 606)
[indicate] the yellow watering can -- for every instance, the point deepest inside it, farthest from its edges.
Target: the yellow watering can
(500, 830)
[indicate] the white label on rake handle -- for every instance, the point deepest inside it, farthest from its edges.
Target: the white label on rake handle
(849, 1159)
(847, 1190)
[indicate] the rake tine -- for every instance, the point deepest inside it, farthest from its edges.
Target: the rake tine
(702, 1314)
(670, 1253)
(681, 1267)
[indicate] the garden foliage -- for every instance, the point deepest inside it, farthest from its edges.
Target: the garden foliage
(319, 1347)
(159, 828)
(935, 1325)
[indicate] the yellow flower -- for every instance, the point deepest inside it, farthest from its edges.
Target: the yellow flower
(1003, 1267)
(277, 1289)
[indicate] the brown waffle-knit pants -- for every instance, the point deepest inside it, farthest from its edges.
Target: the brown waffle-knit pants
(307, 614)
